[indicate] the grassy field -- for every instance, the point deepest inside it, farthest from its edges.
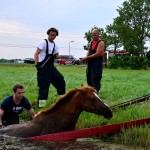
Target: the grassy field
(117, 86)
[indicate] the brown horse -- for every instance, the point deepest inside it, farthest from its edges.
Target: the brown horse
(62, 116)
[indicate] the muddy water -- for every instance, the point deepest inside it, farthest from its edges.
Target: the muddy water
(9, 143)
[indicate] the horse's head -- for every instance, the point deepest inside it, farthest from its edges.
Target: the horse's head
(92, 103)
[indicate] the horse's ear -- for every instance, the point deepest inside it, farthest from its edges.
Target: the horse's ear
(82, 84)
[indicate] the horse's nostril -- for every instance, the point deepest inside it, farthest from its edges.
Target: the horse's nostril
(110, 115)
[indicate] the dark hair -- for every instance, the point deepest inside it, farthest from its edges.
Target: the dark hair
(52, 29)
(17, 86)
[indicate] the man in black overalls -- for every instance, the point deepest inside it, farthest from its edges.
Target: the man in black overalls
(47, 73)
(94, 60)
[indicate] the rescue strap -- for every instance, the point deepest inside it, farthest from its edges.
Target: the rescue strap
(83, 133)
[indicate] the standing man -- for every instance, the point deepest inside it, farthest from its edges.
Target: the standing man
(13, 105)
(47, 73)
(94, 60)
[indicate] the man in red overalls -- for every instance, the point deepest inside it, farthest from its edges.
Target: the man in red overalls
(94, 60)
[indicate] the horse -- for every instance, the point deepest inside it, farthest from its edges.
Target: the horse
(62, 116)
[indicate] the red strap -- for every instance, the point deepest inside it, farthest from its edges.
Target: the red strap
(70, 135)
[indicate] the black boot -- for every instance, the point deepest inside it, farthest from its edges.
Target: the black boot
(97, 92)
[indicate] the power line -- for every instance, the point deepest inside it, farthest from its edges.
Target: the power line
(16, 45)
(22, 33)
(30, 46)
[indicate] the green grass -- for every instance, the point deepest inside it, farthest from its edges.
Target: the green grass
(117, 86)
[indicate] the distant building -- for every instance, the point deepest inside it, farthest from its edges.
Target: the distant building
(19, 61)
(118, 53)
(29, 61)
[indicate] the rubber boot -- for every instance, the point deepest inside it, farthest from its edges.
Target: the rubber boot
(61, 95)
(41, 103)
(97, 92)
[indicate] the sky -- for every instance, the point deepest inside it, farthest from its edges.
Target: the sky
(24, 23)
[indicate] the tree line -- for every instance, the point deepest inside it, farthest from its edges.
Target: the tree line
(131, 29)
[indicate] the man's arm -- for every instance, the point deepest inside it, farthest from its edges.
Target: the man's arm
(1, 115)
(57, 56)
(99, 51)
(32, 113)
(36, 55)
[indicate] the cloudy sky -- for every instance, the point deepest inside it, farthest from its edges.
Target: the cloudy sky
(23, 23)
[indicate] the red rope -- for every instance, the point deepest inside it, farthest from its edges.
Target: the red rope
(70, 135)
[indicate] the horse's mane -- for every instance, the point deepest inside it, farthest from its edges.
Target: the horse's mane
(87, 87)
(61, 100)
(67, 97)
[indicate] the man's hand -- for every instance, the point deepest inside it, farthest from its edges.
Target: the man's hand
(85, 58)
(38, 67)
(2, 126)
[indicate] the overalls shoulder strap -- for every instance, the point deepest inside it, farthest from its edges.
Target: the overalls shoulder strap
(47, 47)
(95, 45)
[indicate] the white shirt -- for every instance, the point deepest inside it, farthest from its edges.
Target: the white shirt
(42, 46)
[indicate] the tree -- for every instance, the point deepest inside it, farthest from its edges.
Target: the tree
(133, 24)
(113, 36)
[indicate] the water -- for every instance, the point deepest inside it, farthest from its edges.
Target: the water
(11, 143)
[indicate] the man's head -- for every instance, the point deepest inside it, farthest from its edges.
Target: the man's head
(95, 34)
(52, 33)
(18, 91)
(17, 86)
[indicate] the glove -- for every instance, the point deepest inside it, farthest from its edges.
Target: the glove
(54, 56)
(2, 126)
(38, 67)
